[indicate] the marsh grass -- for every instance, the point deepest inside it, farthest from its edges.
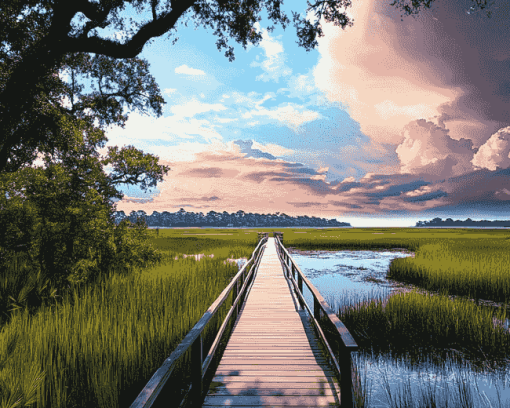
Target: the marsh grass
(477, 269)
(415, 325)
(101, 344)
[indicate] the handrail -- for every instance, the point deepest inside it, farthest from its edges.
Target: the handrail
(347, 344)
(193, 339)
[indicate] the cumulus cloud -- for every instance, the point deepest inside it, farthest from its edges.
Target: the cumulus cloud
(201, 170)
(429, 149)
(495, 152)
(185, 70)
(391, 72)
(365, 68)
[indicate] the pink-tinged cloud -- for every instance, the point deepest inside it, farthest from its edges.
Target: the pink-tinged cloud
(495, 152)
(428, 148)
(229, 180)
(391, 72)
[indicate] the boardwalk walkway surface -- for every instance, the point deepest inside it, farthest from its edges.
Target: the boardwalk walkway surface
(273, 357)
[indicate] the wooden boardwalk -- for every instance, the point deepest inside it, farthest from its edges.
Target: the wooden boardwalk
(273, 357)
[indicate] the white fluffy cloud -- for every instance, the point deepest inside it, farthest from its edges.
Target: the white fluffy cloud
(495, 152)
(185, 70)
(367, 68)
(274, 65)
(142, 129)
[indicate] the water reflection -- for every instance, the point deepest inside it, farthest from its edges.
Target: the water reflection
(343, 276)
(349, 277)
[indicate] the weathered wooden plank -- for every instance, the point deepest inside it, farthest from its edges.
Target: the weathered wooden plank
(266, 405)
(274, 351)
(281, 351)
(273, 391)
(276, 360)
(291, 368)
(270, 372)
(284, 353)
(241, 385)
(270, 400)
(283, 343)
(308, 379)
(276, 336)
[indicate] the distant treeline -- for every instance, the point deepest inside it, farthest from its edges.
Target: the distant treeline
(438, 222)
(183, 218)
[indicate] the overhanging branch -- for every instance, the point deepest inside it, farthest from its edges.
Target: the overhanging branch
(134, 46)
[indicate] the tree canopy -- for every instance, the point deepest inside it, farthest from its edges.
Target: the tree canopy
(71, 67)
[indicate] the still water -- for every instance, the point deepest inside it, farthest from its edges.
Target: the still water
(350, 276)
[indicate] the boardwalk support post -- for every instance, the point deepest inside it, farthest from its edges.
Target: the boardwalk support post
(345, 361)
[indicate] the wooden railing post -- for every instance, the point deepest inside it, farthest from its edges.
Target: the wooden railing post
(316, 309)
(345, 363)
(196, 372)
(235, 292)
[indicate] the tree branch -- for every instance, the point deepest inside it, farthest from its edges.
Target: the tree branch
(135, 45)
(154, 3)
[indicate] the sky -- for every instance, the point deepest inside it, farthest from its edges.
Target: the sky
(386, 123)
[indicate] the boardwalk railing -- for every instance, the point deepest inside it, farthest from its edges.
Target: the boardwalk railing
(325, 320)
(194, 339)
